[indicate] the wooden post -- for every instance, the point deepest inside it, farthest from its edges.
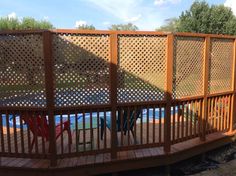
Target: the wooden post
(167, 119)
(2, 138)
(204, 119)
(233, 100)
(113, 92)
(49, 83)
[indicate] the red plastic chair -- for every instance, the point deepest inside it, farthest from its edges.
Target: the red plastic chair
(40, 128)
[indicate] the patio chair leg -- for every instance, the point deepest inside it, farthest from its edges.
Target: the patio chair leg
(32, 145)
(69, 137)
(132, 132)
(117, 139)
(49, 147)
(102, 131)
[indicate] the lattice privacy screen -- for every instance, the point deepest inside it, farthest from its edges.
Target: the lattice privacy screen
(81, 69)
(188, 66)
(22, 70)
(141, 67)
(221, 65)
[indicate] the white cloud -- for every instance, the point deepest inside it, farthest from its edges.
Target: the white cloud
(80, 23)
(138, 12)
(162, 2)
(159, 2)
(119, 9)
(106, 23)
(46, 18)
(232, 4)
(132, 19)
(12, 15)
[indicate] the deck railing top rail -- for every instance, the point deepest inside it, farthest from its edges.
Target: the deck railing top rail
(117, 32)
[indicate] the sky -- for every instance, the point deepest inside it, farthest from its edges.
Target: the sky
(146, 14)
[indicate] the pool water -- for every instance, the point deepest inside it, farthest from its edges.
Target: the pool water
(72, 118)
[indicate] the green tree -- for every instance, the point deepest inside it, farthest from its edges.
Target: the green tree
(123, 27)
(9, 60)
(26, 23)
(202, 18)
(86, 27)
(31, 23)
(170, 25)
(9, 23)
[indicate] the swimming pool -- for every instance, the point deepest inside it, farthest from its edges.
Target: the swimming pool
(87, 117)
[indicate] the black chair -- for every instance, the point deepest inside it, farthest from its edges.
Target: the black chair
(120, 123)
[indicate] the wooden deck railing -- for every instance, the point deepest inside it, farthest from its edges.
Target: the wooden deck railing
(118, 90)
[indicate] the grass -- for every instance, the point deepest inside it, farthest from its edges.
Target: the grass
(130, 82)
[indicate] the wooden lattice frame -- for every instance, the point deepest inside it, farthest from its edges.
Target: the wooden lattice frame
(188, 66)
(82, 65)
(141, 67)
(81, 69)
(22, 81)
(221, 65)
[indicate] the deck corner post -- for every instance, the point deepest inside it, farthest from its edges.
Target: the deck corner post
(204, 119)
(233, 100)
(49, 87)
(168, 97)
(113, 91)
(1, 136)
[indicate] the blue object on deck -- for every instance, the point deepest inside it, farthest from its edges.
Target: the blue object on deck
(125, 124)
(157, 113)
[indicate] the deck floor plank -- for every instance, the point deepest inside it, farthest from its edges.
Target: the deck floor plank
(100, 157)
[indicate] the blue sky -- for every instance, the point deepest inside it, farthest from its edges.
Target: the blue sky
(146, 14)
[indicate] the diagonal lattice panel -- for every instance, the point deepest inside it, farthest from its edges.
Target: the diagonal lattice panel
(81, 69)
(141, 67)
(22, 70)
(221, 65)
(188, 66)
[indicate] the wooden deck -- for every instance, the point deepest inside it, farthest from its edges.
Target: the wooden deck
(89, 155)
(175, 85)
(89, 140)
(126, 160)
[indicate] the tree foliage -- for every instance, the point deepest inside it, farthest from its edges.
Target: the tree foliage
(31, 23)
(203, 18)
(169, 26)
(123, 27)
(7, 23)
(86, 27)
